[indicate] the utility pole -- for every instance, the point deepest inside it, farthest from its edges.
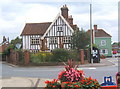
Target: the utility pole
(91, 33)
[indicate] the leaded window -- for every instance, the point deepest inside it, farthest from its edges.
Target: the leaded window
(35, 41)
(53, 39)
(59, 28)
(67, 39)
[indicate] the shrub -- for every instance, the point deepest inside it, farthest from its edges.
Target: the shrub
(21, 56)
(74, 54)
(60, 55)
(41, 57)
(7, 50)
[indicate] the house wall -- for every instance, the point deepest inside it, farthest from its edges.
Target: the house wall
(53, 32)
(27, 42)
(108, 45)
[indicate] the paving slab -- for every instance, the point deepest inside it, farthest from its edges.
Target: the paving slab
(23, 82)
(18, 82)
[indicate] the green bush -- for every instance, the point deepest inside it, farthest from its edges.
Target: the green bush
(21, 56)
(7, 50)
(74, 54)
(60, 55)
(41, 57)
(57, 55)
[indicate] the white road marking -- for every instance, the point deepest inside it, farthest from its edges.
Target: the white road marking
(91, 68)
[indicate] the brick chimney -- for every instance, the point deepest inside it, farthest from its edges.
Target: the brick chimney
(70, 20)
(95, 27)
(64, 11)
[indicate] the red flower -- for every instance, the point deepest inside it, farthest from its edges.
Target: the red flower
(60, 74)
(89, 83)
(89, 78)
(95, 79)
(66, 82)
(55, 80)
(54, 86)
(47, 82)
(52, 82)
(76, 86)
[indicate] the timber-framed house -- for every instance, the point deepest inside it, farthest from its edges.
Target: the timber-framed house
(49, 35)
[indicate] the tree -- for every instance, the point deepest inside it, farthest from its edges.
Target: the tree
(12, 45)
(16, 40)
(116, 43)
(80, 40)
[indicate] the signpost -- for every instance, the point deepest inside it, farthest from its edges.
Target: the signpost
(18, 45)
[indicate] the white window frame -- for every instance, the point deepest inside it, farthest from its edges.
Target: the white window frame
(35, 41)
(60, 28)
(53, 40)
(106, 51)
(103, 42)
(67, 39)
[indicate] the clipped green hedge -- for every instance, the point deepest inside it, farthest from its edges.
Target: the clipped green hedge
(41, 57)
(60, 55)
(57, 55)
(74, 54)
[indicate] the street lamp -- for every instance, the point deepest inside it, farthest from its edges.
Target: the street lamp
(91, 33)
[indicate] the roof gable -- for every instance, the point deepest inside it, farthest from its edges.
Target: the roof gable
(35, 28)
(100, 33)
(59, 15)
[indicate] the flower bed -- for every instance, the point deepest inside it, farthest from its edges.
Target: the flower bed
(72, 78)
(102, 56)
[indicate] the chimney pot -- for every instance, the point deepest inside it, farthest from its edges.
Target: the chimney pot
(95, 27)
(64, 11)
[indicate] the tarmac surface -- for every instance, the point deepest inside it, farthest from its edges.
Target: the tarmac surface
(39, 82)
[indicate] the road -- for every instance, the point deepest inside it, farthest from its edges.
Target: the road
(52, 72)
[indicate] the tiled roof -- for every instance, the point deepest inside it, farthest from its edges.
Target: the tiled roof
(100, 33)
(35, 28)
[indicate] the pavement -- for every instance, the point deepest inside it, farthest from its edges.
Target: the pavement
(22, 82)
(103, 62)
(39, 82)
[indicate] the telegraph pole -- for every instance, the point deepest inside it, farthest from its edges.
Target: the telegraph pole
(91, 33)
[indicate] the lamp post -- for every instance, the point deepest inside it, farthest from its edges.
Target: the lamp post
(91, 33)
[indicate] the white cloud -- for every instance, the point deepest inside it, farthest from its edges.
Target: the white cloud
(40, 13)
(15, 13)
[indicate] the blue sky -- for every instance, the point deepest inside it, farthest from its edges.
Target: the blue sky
(15, 13)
